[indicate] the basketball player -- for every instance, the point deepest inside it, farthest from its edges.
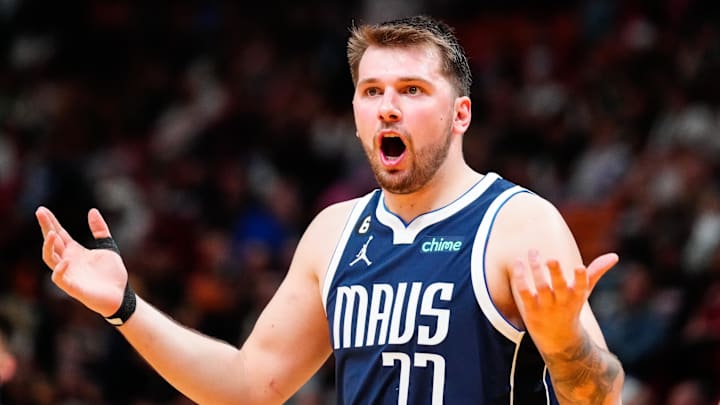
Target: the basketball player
(444, 286)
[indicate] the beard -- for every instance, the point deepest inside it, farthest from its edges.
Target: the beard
(425, 164)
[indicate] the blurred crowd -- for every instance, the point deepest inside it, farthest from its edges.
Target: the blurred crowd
(210, 133)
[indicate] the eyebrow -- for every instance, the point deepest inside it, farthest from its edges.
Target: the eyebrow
(404, 79)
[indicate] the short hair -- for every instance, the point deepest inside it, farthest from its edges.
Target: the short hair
(413, 31)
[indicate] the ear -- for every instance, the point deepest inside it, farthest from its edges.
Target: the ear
(463, 114)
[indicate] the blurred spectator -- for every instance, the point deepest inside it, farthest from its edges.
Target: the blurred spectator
(689, 392)
(598, 170)
(704, 242)
(636, 327)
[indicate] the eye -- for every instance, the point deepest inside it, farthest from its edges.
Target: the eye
(372, 91)
(413, 90)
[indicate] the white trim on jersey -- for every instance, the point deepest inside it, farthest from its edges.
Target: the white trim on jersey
(482, 293)
(512, 371)
(403, 234)
(340, 248)
(477, 268)
(547, 390)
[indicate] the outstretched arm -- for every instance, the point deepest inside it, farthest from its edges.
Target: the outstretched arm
(288, 344)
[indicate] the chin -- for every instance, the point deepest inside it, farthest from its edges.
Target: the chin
(399, 186)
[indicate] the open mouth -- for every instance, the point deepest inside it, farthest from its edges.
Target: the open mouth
(392, 147)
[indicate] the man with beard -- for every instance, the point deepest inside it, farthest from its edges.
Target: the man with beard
(429, 290)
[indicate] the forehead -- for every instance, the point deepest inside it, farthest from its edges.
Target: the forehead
(382, 63)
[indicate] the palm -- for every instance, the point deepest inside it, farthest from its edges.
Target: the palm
(549, 304)
(95, 277)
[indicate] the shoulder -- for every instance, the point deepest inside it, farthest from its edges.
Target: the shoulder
(331, 217)
(527, 212)
(528, 221)
(319, 240)
(525, 220)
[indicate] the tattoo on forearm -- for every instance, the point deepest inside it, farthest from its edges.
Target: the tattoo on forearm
(584, 372)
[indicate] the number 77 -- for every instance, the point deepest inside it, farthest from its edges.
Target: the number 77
(421, 360)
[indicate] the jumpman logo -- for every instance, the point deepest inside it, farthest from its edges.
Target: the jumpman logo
(362, 254)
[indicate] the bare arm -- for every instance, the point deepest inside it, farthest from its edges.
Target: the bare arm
(289, 343)
(550, 299)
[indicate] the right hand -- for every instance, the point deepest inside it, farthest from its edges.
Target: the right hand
(95, 277)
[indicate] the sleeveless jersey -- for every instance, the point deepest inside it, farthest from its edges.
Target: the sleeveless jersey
(410, 315)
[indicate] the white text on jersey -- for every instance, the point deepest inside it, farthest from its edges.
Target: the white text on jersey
(377, 314)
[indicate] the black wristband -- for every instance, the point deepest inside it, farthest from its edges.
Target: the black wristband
(127, 307)
(106, 243)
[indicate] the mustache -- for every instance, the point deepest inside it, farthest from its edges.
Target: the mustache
(391, 127)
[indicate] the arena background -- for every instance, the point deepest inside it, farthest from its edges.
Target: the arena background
(210, 132)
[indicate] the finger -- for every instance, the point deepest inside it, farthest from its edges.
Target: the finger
(600, 266)
(47, 249)
(58, 276)
(559, 283)
(49, 222)
(52, 249)
(581, 279)
(519, 282)
(58, 248)
(544, 290)
(98, 226)
(43, 220)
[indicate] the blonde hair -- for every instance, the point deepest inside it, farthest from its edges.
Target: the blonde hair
(408, 32)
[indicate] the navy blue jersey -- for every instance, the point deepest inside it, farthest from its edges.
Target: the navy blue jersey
(410, 315)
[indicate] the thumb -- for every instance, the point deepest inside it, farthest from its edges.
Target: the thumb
(600, 266)
(98, 226)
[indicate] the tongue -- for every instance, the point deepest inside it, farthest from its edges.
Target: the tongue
(391, 159)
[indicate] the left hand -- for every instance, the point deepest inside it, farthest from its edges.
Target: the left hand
(549, 303)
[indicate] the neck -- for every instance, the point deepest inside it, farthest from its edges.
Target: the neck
(437, 193)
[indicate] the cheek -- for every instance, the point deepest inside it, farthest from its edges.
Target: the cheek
(365, 120)
(365, 108)
(431, 120)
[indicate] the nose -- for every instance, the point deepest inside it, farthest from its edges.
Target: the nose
(389, 111)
